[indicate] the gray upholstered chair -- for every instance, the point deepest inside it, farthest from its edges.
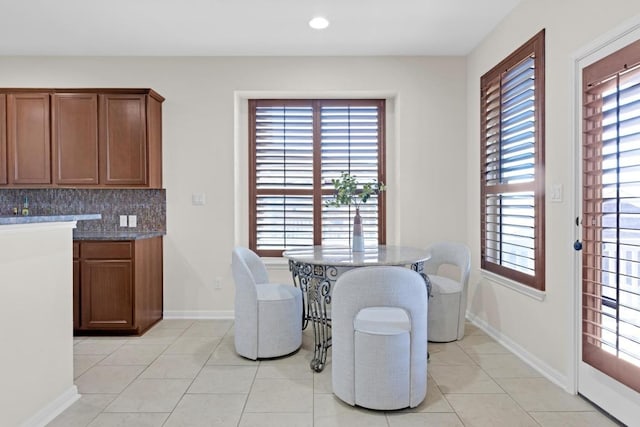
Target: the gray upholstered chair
(379, 338)
(448, 302)
(268, 316)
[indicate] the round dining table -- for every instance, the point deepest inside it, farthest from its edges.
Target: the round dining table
(315, 270)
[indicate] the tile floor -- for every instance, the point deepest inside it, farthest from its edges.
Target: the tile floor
(186, 373)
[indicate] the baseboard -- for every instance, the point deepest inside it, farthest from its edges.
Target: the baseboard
(53, 408)
(199, 314)
(530, 359)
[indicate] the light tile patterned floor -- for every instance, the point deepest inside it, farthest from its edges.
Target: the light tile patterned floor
(185, 373)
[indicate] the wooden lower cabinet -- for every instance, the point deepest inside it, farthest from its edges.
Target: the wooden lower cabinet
(119, 286)
(106, 288)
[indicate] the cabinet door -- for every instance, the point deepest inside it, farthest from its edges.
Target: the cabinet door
(3, 139)
(29, 148)
(123, 139)
(106, 293)
(75, 138)
(154, 142)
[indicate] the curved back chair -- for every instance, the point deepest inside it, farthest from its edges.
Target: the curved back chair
(379, 337)
(268, 316)
(448, 303)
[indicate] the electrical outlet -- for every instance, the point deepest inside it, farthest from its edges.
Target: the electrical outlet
(123, 221)
(133, 221)
(217, 284)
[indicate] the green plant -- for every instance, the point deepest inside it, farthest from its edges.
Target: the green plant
(348, 193)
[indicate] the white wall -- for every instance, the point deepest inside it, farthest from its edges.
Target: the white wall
(426, 142)
(543, 330)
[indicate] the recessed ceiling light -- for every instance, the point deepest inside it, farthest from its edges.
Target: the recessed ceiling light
(319, 23)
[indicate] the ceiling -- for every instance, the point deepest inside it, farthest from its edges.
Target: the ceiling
(246, 27)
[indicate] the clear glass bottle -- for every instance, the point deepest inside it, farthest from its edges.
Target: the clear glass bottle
(25, 207)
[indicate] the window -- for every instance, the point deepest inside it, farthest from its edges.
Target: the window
(296, 148)
(611, 215)
(512, 166)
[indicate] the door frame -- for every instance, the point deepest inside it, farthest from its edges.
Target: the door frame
(611, 393)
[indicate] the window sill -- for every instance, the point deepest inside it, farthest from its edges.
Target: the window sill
(276, 263)
(515, 286)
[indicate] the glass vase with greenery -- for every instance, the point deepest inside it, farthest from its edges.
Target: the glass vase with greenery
(348, 191)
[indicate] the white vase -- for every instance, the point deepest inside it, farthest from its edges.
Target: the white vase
(357, 244)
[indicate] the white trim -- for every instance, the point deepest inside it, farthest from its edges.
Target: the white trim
(53, 408)
(529, 358)
(276, 263)
(326, 94)
(240, 153)
(198, 314)
(615, 398)
(513, 285)
(240, 179)
(575, 136)
(608, 43)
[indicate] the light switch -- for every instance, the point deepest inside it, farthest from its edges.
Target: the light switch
(556, 192)
(133, 221)
(123, 221)
(198, 199)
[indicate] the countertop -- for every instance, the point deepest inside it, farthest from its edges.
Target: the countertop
(81, 235)
(116, 235)
(33, 219)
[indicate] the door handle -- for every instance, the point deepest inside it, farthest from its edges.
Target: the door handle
(577, 245)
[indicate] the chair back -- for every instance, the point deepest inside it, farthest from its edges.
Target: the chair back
(246, 300)
(451, 253)
(249, 260)
(458, 255)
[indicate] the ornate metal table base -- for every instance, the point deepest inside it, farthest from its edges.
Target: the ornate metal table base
(316, 282)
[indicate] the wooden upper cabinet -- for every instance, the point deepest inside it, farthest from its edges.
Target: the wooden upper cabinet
(28, 138)
(123, 139)
(75, 138)
(3, 139)
(81, 138)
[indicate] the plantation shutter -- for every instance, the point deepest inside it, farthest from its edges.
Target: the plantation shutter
(296, 148)
(283, 176)
(350, 142)
(512, 205)
(611, 216)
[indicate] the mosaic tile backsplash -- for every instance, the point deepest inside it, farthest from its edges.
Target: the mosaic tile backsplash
(148, 205)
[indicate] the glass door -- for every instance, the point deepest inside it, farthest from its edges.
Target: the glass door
(609, 371)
